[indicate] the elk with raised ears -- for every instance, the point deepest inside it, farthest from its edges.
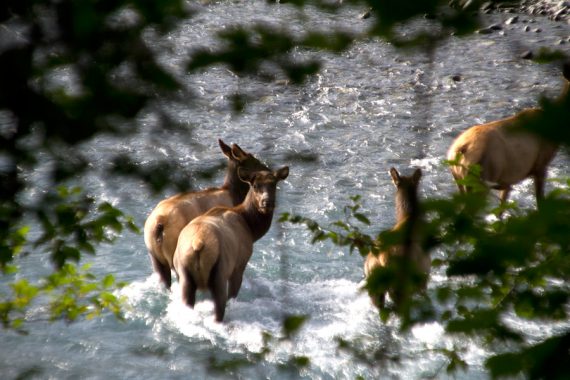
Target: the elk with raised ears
(505, 153)
(408, 217)
(213, 250)
(165, 222)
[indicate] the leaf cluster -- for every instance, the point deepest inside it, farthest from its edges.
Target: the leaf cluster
(70, 292)
(514, 266)
(72, 224)
(110, 75)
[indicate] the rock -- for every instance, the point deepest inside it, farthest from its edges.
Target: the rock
(485, 31)
(456, 78)
(512, 20)
(366, 15)
(495, 27)
(489, 5)
(527, 55)
(537, 30)
(560, 12)
(526, 28)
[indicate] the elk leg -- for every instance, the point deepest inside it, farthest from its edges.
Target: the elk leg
(162, 270)
(461, 188)
(235, 282)
(379, 300)
(188, 288)
(505, 194)
(539, 187)
(219, 289)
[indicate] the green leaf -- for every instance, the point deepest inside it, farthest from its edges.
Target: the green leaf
(292, 324)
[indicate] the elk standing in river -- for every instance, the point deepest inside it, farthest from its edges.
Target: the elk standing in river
(169, 217)
(506, 154)
(408, 217)
(213, 249)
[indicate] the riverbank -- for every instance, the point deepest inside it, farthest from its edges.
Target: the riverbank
(555, 10)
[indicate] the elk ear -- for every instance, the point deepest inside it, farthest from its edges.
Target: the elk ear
(225, 148)
(245, 175)
(282, 173)
(395, 176)
(238, 153)
(417, 175)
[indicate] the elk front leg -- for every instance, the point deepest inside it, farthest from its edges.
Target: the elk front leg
(505, 194)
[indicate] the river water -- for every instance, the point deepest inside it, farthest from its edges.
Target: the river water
(370, 108)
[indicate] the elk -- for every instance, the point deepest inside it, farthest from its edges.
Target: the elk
(408, 216)
(165, 222)
(505, 153)
(213, 249)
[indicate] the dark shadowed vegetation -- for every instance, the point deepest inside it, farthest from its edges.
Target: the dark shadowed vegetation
(498, 269)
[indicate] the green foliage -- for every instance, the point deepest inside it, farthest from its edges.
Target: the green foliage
(517, 265)
(71, 226)
(246, 48)
(342, 232)
(70, 292)
(113, 76)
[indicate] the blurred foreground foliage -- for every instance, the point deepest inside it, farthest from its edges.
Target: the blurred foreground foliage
(506, 267)
(111, 75)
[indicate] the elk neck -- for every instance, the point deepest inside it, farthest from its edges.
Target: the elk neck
(235, 186)
(406, 204)
(257, 222)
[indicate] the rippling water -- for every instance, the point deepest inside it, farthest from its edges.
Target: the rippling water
(370, 108)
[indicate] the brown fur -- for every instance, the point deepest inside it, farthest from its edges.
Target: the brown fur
(506, 155)
(213, 249)
(407, 216)
(169, 217)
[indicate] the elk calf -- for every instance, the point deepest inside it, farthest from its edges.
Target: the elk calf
(408, 216)
(213, 249)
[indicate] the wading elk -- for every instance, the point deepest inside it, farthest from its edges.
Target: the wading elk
(165, 222)
(408, 217)
(506, 155)
(213, 249)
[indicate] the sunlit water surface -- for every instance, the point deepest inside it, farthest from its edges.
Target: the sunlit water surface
(370, 108)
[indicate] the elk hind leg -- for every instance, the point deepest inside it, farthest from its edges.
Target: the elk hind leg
(187, 287)
(219, 289)
(162, 270)
(539, 186)
(379, 300)
(235, 282)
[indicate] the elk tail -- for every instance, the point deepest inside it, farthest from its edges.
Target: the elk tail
(203, 262)
(159, 233)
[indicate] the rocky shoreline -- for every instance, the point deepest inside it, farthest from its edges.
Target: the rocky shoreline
(556, 10)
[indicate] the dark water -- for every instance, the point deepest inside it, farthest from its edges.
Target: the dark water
(370, 108)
